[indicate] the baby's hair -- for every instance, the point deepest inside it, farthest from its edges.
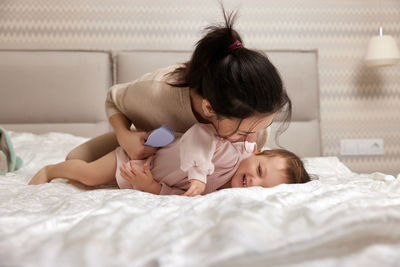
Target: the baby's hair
(295, 171)
(237, 81)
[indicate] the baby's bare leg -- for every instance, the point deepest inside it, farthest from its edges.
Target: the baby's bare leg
(98, 172)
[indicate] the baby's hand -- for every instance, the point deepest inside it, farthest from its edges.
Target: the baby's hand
(140, 179)
(196, 188)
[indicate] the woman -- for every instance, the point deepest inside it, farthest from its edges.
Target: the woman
(238, 84)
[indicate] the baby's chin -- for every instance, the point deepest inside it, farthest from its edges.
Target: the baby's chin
(236, 184)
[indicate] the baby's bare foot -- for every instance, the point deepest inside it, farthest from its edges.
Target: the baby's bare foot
(40, 177)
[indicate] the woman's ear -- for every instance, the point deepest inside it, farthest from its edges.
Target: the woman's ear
(207, 109)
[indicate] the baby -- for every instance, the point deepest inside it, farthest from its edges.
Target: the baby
(266, 168)
(198, 162)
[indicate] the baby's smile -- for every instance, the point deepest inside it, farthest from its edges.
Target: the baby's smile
(244, 181)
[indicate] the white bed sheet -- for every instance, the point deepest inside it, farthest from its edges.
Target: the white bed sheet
(341, 219)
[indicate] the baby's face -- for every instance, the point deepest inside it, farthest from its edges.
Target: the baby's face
(259, 170)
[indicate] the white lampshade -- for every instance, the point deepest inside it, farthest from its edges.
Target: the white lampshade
(382, 51)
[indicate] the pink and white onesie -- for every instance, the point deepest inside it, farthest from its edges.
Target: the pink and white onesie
(197, 154)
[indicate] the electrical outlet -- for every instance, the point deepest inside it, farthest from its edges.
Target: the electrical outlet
(351, 147)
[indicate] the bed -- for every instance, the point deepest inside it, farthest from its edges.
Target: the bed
(341, 218)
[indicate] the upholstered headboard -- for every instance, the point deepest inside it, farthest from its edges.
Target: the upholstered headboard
(299, 71)
(64, 91)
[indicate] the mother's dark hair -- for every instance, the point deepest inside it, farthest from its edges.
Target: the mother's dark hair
(238, 83)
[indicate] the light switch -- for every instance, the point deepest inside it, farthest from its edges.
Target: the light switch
(361, 147)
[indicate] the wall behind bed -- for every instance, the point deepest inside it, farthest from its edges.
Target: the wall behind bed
(356, 102)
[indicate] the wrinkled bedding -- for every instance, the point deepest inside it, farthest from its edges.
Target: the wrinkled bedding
(340, 219)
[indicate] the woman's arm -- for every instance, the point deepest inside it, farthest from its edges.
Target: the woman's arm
(131, 141)
(120, 123)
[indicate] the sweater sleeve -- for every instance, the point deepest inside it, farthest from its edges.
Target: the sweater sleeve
(197, 149)
(114, 99)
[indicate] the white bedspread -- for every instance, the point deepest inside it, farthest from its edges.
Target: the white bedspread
(342, 219)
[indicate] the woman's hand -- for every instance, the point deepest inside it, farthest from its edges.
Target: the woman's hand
(143, 180)
(131, 141)
(133, 144)
(196, 188)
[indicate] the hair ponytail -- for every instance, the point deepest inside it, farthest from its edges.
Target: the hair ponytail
(214, 46)
(238, 82)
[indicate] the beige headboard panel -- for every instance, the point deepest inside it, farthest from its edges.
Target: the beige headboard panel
(63, 91)
(299, 71)
(300, 75)
(130, 65)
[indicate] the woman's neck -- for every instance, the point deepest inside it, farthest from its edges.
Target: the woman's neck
(196, 104)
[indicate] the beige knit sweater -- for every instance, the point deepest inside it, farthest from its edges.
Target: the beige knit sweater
(150, 102)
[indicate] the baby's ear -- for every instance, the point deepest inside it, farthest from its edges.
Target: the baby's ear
(207, 108)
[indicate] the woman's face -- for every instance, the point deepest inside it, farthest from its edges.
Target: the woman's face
(259, 170)
(235, 130)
